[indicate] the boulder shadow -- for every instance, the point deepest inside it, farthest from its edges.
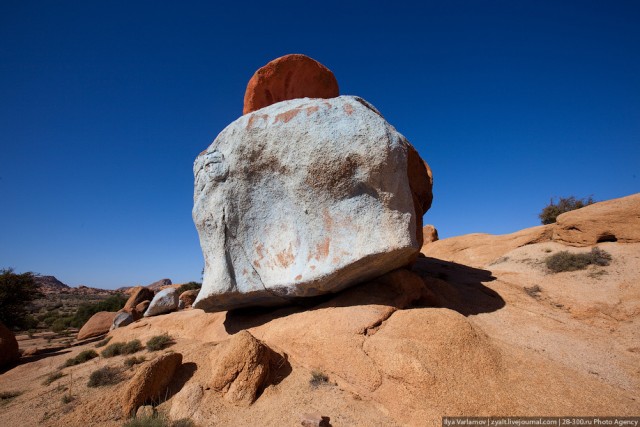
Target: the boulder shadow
(34, 358)
(446, 285)
(180, 378)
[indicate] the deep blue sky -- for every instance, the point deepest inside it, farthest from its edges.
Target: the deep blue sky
(105, 105)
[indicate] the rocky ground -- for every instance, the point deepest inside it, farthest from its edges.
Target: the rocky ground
(478, 326)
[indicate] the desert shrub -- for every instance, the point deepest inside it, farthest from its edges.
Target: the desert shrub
(566, 261)
(565, 204)
(159, 342)
(80, 358)
(189, 286)
(52, 377)
(318, 378)
(533, 291)
(16, 292)
(103, 342)
(118, 348)
(133, 360)
(104, 376)
(67, 398)
(7, 396)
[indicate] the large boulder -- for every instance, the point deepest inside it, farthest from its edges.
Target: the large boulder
(138, 295)
(99, 324)
(289, 77)
(616, 220)
(429, 234)
(301, 198)
(165, 301)
(150, 383)
(123, 318)
(8, 346)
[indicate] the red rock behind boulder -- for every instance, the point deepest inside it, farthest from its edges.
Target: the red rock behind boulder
(289, 77)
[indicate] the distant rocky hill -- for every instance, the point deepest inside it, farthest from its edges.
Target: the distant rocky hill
(50, 283)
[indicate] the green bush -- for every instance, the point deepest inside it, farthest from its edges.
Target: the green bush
(189, 286)
(105, 376)
(159, 342)
(103, 342)
(566, 261)
(565, 204)
(16, 292)
(52, 377)
(118, 348)
(80, 358)
(85, 311)
(133, 360)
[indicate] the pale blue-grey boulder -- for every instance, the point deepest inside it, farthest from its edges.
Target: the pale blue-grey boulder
(122, 319)
(163, 302)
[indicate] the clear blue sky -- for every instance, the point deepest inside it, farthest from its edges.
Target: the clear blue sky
(105, 105)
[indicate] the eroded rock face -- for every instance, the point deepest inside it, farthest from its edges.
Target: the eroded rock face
(302, 198)
(289, 77)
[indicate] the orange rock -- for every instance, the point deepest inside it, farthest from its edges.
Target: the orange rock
(98, 324)
(138, 295)
(289, 77)
(8, 346)
(429, 234)
(421, 183)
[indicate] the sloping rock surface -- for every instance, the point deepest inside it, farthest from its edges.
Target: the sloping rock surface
(98, 324)
(302, 198)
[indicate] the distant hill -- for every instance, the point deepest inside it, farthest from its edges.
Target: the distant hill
(50, 284)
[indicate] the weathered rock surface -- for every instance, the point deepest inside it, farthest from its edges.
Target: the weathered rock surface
(99, 324)
(150, 382)
(122, 319)
(186, 401)
(165, 301)
(188, 297)
(285, 199)
(241, 367)
(429, 233)
(8, 346)
(616, 220)
(138, 295)
(289, 77)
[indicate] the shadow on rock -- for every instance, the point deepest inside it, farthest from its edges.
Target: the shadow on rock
(429, 283)
(180, 378)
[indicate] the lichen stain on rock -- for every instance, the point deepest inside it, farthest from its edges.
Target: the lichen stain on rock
(311, 110)
(255, 117)
(286, 257)
(348, 108)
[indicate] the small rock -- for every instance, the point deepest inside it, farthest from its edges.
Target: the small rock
(150, 382)
(138, 295)
(429, 234)
(241, 367)
(186, 401)
(8, 346)
(314, 420)
(122, 319)
(99, 324)
(188, 297)
(165, 301)
(142, 307)
(146, 411)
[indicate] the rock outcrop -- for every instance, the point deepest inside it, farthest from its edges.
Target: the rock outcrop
(99, 324)
(123, 318)
(142, 307)
(285, 199)
(150, 382)
(241, 367)
(163, 302)
(289, 77)
(9, 352)
(616, 220)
